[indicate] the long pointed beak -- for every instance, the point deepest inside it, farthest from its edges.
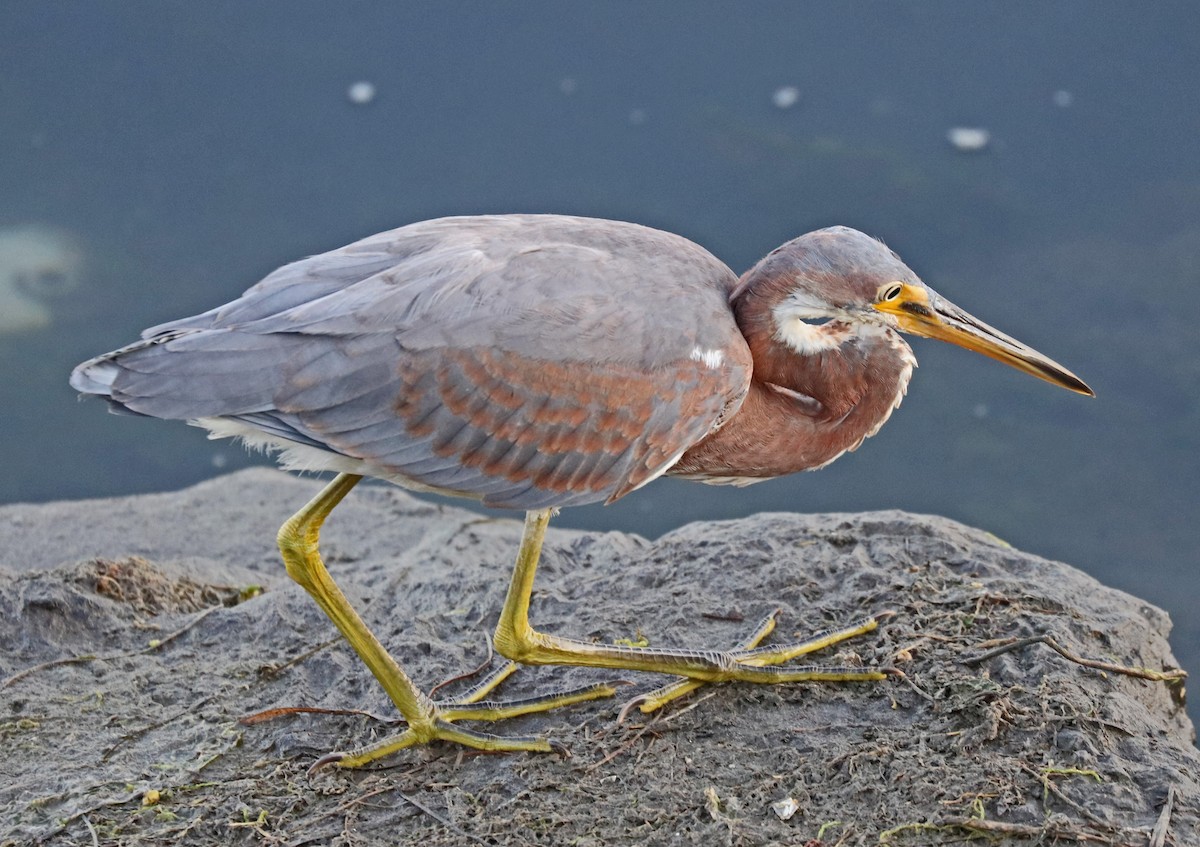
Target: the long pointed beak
(923, 312)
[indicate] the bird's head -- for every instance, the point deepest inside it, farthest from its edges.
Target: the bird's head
(842, 276)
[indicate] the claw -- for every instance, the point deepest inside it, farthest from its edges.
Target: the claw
(324, 762)
(629, 706)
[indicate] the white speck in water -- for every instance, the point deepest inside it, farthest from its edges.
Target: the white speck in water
(969, 139)
(568, 85)
(361, 92)
(219, 460)
(1063, 99)
(785, 808)
(980, 411)
(786, 96)
(637, 116)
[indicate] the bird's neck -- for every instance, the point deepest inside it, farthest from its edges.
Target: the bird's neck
(817, 391)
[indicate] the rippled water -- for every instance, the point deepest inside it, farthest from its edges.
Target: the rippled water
(184, 150)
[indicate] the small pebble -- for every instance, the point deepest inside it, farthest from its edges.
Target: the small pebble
(785, 808)
(361, 93)
(786, 97)
(969, 139)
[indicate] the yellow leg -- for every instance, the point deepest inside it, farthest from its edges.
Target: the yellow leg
(427, 720)
(519, 641)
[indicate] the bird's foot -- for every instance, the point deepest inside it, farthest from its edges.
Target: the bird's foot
(439, 724)
(749, 662)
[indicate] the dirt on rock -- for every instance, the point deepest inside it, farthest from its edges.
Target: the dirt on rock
(1030, 708)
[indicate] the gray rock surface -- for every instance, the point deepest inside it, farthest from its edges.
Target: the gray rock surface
(132, 647)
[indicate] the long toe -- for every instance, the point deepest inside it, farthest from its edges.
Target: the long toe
(750, 662)
(442, 726)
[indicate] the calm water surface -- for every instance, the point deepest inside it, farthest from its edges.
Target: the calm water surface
(178, 151)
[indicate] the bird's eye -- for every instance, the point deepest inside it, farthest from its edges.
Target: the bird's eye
(891, 292)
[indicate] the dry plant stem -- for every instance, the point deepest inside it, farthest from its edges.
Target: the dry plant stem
(91, 657)
(1049, 833)
(278, 670)
(340, 809)
(286, 711)
(468, 674)
(1177, 675)
(1158, 836)
(1048, 785)
(435, 816)
(903, 677)
(626, 745)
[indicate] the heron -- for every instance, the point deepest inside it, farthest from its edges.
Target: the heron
(534, 362)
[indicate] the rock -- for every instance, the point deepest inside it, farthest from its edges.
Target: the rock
(135, 639)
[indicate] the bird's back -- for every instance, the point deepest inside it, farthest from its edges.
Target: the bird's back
(526, 360)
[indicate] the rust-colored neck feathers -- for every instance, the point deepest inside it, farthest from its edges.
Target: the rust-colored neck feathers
(818, 389)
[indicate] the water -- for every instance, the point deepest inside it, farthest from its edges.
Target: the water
(189, 149)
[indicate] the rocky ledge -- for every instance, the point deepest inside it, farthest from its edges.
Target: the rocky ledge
(1033, 705)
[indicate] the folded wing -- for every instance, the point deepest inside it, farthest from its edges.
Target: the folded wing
(527, 361)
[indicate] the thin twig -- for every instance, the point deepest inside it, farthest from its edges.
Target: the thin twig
(471, 674)
(157, 644)
(435, 816)
(70, 660)
(621, 749)
(903, 677)
(341, 808)
(191, 709)
(1048, 785)
(1158, 836)
(286, 711)
(1048, 831)
(164, 641)
(688, 707)
(274, 671)
(1177, 675)
(92, 830)
(65, 822)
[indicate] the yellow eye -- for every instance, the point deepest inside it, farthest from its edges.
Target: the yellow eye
(891, 292)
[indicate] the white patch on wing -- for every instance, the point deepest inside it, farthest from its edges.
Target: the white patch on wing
(711, 358)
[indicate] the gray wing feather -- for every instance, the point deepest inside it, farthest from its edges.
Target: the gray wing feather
(527, 360)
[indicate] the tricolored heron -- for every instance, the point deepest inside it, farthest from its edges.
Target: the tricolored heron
(539, 361)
